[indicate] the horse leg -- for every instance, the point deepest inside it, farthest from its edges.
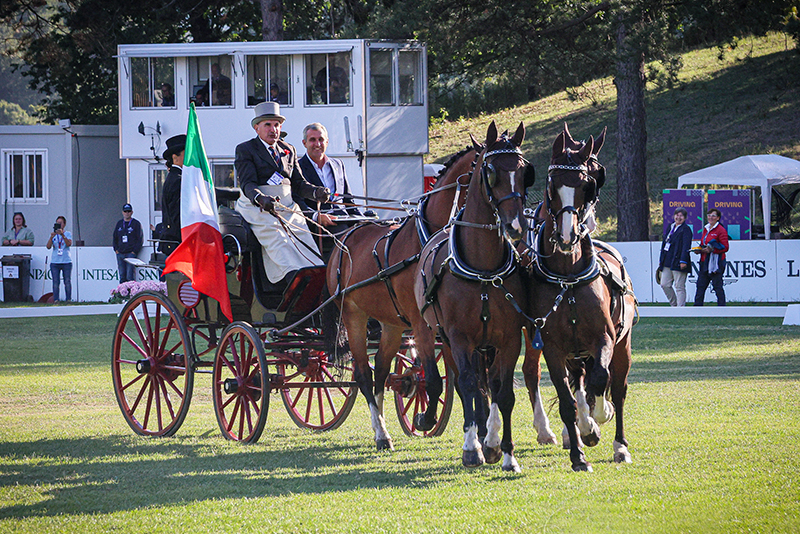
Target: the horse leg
(532, 371)
(620, 366)
(567, 409)
(503, 395)
(424, 340)
(472, 454)
(356, 324)
(597, 380)
(391, 338)
(482, 361)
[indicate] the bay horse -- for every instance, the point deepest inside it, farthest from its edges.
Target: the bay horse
(583, 304)
(466, 288)
(389, 255)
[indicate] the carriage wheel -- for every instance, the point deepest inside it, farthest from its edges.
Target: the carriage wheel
(240, 383)
(415, 399)
(319, 393)
(152, 365)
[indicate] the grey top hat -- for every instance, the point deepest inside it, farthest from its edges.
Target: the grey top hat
(267, 110)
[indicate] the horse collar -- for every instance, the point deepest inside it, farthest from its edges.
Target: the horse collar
(460, 269)
(543, 273)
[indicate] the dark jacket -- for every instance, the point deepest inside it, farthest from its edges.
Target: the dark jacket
(341, 187)
(254, 167)
(171, 205)
(680, 241)
(128, 237)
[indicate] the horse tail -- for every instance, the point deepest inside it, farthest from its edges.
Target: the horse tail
(334, 334)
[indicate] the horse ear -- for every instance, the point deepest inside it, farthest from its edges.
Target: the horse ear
(519, 135)
(598, 143)
(586, 151)
(491, 134)
(567, 136)
(477, 146)
(558, 145)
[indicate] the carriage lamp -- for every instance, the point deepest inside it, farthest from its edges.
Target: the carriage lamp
(188, 295)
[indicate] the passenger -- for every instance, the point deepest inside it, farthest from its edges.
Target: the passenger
(171, 195)
(19, 234)
(321, 170)
(268, 173)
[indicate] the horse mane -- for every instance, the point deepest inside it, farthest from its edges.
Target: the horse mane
(450, 162)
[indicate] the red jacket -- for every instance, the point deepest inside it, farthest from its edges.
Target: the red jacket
(719, 234)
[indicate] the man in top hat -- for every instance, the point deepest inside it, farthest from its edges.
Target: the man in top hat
(171, 195)
(127, 242)
(268, 174)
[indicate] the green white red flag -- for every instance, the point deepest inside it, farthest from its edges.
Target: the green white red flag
(200, 255)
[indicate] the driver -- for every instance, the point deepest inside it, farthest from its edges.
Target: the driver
(268, 174)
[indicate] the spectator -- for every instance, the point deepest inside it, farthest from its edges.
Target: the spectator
(167, 96)
(19, 234)
(276, 95)
(60, 261)
(713, 246)
(127, 242)
(332, 89)
(674, 262)
(218, 87)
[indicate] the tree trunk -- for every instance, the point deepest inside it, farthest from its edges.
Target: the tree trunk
(633, 205)
(272, 20)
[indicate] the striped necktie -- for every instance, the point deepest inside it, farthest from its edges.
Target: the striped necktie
(275, 156)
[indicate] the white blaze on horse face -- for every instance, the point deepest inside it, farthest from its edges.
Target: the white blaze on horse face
(565, 225)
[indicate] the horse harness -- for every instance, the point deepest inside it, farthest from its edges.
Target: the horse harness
(459, 268)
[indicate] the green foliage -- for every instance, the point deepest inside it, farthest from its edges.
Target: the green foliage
(792, 27)
(13, 114)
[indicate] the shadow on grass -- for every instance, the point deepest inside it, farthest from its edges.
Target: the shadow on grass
(103, 475)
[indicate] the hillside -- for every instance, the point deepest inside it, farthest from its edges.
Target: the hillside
(745, 100)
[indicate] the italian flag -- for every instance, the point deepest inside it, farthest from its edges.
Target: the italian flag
(200, 255)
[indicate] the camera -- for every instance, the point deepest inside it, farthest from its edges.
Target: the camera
(56, 227)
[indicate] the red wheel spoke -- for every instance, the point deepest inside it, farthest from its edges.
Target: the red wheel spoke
(141, 391)
(165, 395)
(158, 404)
(132, 382)
(233, 413)
(135, 345)
(149, 403)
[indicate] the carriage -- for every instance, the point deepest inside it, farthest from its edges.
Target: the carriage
(275, 344)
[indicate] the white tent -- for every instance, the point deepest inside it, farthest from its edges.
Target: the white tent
(764, 171)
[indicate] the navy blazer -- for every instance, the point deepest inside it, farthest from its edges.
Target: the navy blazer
(679, 244)
(341, 186)
(255, 165)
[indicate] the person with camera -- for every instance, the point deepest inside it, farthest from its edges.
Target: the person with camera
(60, 261)
(268, 174)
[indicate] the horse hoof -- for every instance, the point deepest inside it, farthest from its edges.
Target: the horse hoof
(421, 424)
(590, 440)
(582, 468)
(622, 457)
(510, 465)
(472, 458)
(492, 455)
(547, 439)
(384, 444)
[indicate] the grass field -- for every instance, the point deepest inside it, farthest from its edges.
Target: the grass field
(711, 418)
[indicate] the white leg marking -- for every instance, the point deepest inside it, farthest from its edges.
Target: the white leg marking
(471, 442)
(376, 417)
(586, 425)
(541, 423)
(493, 426)
(621, 454)
(603, 410)
(510, 463)
(565, 438)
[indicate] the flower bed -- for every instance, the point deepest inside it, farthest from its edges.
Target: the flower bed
(124, 291)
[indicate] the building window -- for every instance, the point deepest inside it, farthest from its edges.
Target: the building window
(328, 78)
(26, 175)
(210, 81)
(409, 66)
(381, 78)
(269, 78)
(152, 82)
(158, 174)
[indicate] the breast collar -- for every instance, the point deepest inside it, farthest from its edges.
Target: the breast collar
(460, 269)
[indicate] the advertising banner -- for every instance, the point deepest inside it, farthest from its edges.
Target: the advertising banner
(736, 208)
(692, 201)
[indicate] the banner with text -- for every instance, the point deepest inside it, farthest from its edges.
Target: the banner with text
(692, 201)
(736, 208)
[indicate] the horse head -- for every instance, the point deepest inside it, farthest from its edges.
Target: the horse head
(571, 190)
(504, 177)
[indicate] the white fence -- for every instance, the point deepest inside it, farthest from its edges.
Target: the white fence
(757, 271)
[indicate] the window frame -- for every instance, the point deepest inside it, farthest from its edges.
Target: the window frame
(190, 85)
(310, 77)
(7, 166)
(397, 49)
(269, 78)
(151, 82)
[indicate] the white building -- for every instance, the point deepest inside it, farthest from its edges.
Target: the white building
(370, 95)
